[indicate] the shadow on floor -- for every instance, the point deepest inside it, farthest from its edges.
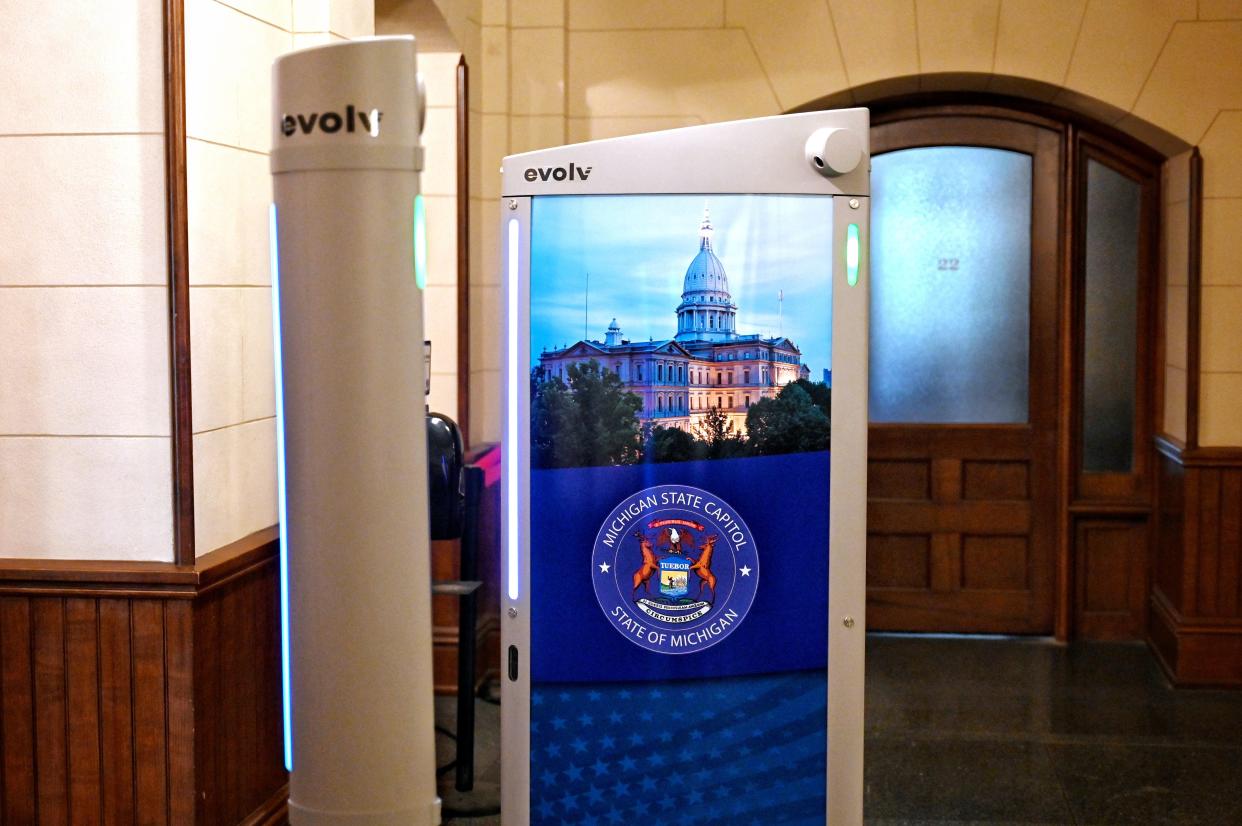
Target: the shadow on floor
(986, 731)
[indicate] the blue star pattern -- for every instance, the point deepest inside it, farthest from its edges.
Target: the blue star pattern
(728, 751)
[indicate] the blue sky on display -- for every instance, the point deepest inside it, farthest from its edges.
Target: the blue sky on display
(636, 249)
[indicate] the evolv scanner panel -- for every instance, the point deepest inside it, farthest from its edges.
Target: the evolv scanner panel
(685, 472)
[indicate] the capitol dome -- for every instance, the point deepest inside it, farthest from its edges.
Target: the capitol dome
(706, 273)
(707, 311)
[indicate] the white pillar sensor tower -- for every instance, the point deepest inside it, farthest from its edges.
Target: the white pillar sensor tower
(347, 277)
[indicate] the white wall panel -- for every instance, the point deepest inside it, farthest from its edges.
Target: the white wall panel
(86, 498)
(82, 209)
(84, 361)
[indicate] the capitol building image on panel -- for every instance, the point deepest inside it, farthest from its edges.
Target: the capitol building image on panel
(706, 364)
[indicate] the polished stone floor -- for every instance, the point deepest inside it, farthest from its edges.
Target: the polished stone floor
(970, 730)
(1005, 731)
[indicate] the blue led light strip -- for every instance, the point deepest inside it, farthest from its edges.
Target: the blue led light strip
(511, 436)
(283, 514)
(851, 254)
(420, 242)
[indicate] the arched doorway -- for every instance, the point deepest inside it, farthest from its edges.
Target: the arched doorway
(1014, 270)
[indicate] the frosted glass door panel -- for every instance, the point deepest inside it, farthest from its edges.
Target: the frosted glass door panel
(951, 285)
(1111, 320)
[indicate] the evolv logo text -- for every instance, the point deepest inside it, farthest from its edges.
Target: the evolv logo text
(558, 173)
(332, 122)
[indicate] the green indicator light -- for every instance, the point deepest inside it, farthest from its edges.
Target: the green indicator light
(420, 243)
(851, 255)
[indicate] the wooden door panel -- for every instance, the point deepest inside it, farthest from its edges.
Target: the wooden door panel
(899, 561)
(982, 480)
(946, 562)
(899, 479)
(993, 562)
(960, 556)
(1111, 579)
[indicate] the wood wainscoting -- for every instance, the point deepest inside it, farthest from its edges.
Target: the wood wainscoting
(1195, 624)
(141, 692)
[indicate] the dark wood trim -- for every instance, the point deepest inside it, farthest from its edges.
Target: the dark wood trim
(1208, 457)
(1200, 457)
(1005, 107)
(99, 579)
(1199, 625)
(973, 128)
(919, 107)
(1068, 207)
(96, 580)
(237, 558)
(1159, 311)
(53, 588)
(463, 249)
(1194, 301)
(86, 572)
(1095, 507)
(1194, 652)
(177, 229)
(273, 812)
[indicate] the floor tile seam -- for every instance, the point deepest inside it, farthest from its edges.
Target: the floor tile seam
(1143, 742)
(1056, 739)
(1056, 776)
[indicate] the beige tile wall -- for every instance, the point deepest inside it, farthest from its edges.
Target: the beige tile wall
(439, 185)
(1221, 338)
(1031, 43)
(84, 412)
(1175, 224)
(229, 52)
(1169, 71)
(489, 142)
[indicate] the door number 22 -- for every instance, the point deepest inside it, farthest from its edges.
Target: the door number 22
(946, 263)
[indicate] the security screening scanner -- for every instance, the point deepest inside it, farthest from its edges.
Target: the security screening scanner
(355, 573)
(684, 490)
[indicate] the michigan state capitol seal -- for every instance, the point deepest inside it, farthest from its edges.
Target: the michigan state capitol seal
(675, 569)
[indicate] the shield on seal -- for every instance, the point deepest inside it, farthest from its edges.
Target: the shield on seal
(674, 576)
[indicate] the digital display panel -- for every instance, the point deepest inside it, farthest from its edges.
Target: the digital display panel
(680, 398)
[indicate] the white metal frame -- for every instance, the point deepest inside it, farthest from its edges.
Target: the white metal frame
(760, 156)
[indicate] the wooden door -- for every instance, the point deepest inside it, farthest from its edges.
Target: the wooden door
(962, 510)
